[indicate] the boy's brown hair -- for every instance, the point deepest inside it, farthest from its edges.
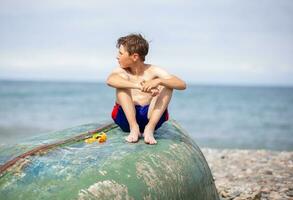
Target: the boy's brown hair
(134, 43)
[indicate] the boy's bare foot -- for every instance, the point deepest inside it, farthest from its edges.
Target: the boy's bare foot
(133, 135)
(149, 135)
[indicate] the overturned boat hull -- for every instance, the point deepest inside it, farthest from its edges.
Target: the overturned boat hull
(61, 165)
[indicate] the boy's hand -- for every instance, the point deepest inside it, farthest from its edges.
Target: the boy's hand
(154, 92)
(147, 86)
(139, 86)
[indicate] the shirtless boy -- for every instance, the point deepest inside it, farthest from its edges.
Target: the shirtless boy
(143, 91)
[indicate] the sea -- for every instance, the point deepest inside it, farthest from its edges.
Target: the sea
(233, 117)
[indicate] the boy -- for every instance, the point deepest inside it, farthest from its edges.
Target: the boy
(143, 91)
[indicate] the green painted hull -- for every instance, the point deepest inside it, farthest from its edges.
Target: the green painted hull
(175, 168)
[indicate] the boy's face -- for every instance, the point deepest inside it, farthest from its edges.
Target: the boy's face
(125, 60)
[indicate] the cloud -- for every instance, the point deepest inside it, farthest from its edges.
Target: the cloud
(16, 7)
(195, 39)
(56, 65)
(51, 59)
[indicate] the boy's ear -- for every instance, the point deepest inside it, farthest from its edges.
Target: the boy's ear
(135, 57)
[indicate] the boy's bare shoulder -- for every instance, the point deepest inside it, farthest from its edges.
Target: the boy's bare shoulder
(159, 72)
(153, 67)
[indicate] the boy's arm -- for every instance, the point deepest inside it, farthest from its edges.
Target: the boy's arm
(174, 82)
(164, 79)
(119, 79)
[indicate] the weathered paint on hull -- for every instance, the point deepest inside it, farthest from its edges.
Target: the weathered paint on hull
(173, 169)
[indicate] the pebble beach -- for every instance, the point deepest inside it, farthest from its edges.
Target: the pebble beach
(251, 174)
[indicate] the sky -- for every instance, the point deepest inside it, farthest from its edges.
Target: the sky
(234, 42)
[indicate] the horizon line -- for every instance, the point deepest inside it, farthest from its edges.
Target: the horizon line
(192, 83)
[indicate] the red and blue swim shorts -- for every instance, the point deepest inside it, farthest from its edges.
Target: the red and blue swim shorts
(120, 119)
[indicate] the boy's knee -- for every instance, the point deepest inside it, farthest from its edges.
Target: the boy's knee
(166, 90)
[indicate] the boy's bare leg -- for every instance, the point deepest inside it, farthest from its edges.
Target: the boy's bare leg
(125, 100)
(157, 107)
